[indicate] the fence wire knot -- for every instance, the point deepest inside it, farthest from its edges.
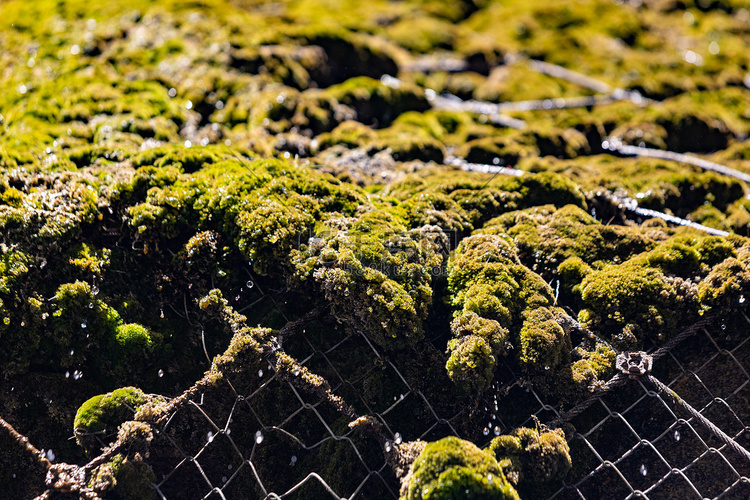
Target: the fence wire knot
(634, 364)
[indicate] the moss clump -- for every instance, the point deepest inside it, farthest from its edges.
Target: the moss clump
(536, 458)
(103, 414)
(726, 285)
(451, 467)
(133, 336)
(592, 365)
(544, 344)
(376, 103)
(476, 344)
(124, 478)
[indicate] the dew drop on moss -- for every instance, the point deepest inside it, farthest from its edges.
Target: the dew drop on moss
(94, 290)
(486, 431)
(91, 305)
(496, 430)
(397, 438)
(387, 446)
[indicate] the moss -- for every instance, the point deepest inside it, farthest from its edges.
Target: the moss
(543, 342)
(629, 301)
(450, 467)
(133, 478)
(725, 286)
(102, 415)
(476, 344)
(133, 335)
(376, 103)
(596, 364)
(537, 458)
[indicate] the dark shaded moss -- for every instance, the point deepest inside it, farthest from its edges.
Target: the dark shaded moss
(536, 458)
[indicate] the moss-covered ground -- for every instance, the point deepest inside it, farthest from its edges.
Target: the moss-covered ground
(166, 166)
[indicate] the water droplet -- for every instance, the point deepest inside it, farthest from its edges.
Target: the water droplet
(250, 284)
(401, 397)
(172, 92)
(72, 351)
(397, 438)
(229, 466)
(723, 326)
(189, 105)
(161, 313)
(486, 431)
(83, 325)
(742, 299)
(75, 50)
(223, 479)
(296, 372)
(387, 446)
(496, 430)
(67, 374)
(50, 455)
(676, 435)
(258, 437)
(160, 373)
(346, 292)
(546, 367)
(260, 373)
(188, 144)
(94, 290)
(210, 437)
(293, 460)
(237, 298)
(77, 374)
(644, 470)
(229, 431)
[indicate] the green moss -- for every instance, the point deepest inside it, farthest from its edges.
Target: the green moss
(132, 478)
(133, 336)
(474, 350)
(544, 344)
(537, 458)
(376, 103)
(629, 301)
(450, 467)
(596, 364)
(98, 413)
(725, 286)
